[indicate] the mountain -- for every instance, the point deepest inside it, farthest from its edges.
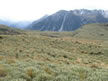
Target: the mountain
(37, 21)
(6, 30)
(69, 20)
(15, 24)
(21, 24)
(5, 22)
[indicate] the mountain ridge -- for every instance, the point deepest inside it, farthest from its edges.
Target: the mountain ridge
(70, 20)
(15, 24)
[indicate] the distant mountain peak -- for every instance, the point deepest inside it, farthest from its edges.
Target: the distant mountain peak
(64, 20)
(15, 24)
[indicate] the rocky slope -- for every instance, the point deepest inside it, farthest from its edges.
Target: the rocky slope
(69, 20)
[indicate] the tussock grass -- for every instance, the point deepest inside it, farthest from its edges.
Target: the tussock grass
(37, 56)
(3, 71)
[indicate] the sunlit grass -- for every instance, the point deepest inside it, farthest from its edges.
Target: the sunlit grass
(34, 57)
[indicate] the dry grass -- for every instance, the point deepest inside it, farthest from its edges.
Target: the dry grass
(10, 60)
(54, 59)
(3, 71)
(1, 57)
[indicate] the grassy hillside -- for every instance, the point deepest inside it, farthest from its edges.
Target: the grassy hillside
(93, 31)
(89, 31)
(53, 56)
(8, 30)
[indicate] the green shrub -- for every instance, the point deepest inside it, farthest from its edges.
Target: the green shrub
(1, 37)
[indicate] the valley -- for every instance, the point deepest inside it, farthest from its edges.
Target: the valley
(29, 55)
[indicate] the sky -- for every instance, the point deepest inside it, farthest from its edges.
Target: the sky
(25, 10)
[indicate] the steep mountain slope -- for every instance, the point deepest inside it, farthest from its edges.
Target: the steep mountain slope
(9, 31)
(70, 20)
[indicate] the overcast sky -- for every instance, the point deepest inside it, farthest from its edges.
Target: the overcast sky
(34, 9)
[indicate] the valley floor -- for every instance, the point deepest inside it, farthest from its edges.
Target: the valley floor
(47, 57)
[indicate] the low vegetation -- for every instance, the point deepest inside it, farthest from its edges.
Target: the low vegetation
(9, 31)
(52, 56)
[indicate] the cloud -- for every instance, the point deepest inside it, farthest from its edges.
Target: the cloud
(34, 9)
